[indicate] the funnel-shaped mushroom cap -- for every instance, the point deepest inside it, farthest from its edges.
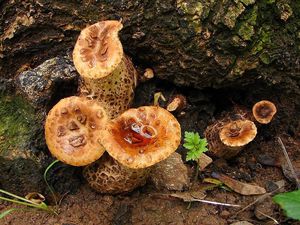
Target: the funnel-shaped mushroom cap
(72, 130)
(141, 137)
(264, 111)
(98, 50)
(238, 133)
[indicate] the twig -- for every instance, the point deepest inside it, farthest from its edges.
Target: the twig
(215, 203)
(289, 162)
(270, 217)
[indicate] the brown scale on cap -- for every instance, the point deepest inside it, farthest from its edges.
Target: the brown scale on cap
(72, 128)
(264, 111)
(226, 139)
(107, 74)
(142, 137)
(108, 176)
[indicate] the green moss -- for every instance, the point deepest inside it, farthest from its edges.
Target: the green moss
(246, 26)
(17, 122)
(248, 2)
(263, 39)
(232, 14)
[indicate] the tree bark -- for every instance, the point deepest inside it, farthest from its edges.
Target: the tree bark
(199, 43)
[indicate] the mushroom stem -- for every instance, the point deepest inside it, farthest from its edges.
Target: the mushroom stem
(115, 92)
(108, 176)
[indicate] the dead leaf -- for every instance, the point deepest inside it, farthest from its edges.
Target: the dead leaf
(157, 96)
(239, 187)
(203, 161)
(35, 197)
(190, 196)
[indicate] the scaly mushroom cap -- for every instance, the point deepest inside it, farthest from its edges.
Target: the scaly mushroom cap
(238, 133)
(98, 50)
(141, 137)
(264, 111)
(72, 130)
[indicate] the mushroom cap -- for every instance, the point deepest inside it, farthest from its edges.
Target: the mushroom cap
(238, 133)
(263, 111)
(98, 50)
(141, 137)
(72, 129)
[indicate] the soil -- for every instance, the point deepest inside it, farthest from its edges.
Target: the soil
(147, 206)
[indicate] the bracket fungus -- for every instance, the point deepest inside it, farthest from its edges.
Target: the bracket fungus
(227, 139)
(72, 130)
(141, 137)
(264, 111)
(107, 74)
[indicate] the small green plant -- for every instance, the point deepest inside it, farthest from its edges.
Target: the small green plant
(48, 185)
(195, 145)
(22, 201)
(290, 203)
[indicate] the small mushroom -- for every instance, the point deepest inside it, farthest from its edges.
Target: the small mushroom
(227, 139)
(141, 137)
(264, 111)
(177, 103)
(107, 74)
(72, 128)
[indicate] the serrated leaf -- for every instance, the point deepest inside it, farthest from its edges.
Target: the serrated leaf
(290, 203)
(194, 144)
(189, 146)
(6, 212)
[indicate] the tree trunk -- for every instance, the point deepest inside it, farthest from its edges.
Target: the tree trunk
(200, 43)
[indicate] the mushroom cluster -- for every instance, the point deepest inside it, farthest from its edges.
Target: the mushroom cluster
(79, 130)
(227, 136)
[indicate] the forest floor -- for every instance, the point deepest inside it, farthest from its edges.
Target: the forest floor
(256, 164)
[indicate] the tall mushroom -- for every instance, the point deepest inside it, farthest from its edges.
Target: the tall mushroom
(136, 140)
(264, 111)
(72, 130)
(107, 73)
(226, 139)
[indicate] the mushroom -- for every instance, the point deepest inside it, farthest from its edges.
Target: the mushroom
(177, 103)
(141, 137)
(72, 130)
(227, 139)
(136, 140)
(106, 175)
(107, 74)
(263, 111)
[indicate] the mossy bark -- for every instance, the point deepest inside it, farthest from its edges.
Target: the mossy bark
(204, 43)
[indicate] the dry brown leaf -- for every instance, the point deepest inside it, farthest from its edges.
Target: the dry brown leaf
(190, 196)
(239, 187)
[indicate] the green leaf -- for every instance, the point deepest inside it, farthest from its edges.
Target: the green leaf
(189, 146)
(194, 144)
(290, 203)
(6, 212)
